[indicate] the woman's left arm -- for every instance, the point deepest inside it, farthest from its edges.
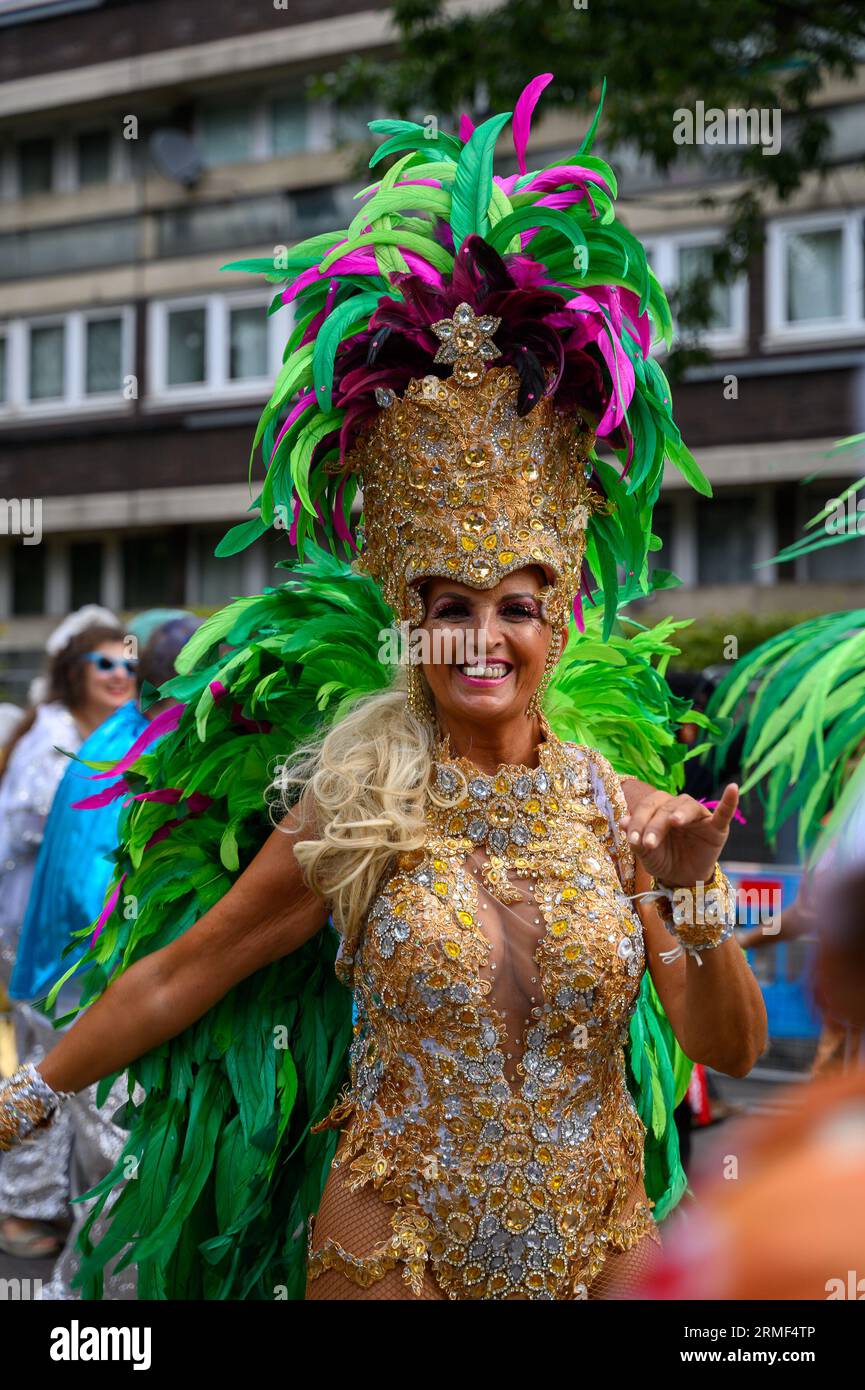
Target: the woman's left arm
(714, 1004)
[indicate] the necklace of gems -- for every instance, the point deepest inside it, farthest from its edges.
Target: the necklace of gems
(509, 812)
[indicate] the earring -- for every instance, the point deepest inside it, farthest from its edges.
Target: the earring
(416, 697)
(534, 706)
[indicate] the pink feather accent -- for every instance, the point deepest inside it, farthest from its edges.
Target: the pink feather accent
(713, 806)
(305, 401)
(467, 127)
(164, 723)
(104, 798)
(546, 180)
(292, 534)
(522, 122)
(339, 519)
(107, 910)
(579, 619)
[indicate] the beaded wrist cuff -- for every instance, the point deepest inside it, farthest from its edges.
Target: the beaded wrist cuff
(701, 917)
(27, 1104)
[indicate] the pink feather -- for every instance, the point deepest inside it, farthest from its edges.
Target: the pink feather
(522, 123)
(164, 723)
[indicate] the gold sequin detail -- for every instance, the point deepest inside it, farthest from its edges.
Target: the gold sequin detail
(505, 1188)
(457, 484)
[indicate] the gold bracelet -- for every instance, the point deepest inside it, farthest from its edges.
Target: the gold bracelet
(702, 916)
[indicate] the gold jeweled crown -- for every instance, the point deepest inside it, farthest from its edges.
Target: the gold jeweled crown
(457, 484)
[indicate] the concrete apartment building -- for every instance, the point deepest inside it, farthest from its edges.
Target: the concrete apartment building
(143, 145)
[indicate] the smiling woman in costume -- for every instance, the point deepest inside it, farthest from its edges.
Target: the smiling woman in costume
(502, 895)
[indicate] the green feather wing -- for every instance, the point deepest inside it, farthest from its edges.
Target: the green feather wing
(220, 1170)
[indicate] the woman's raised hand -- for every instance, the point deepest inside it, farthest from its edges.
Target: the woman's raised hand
(677, 839)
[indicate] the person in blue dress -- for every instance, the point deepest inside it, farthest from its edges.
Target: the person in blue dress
(72, 874)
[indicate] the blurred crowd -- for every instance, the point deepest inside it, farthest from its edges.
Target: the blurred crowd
(97, 695)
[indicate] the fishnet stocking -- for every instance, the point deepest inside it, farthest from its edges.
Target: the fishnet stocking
(359, 1222)
(624, 1271)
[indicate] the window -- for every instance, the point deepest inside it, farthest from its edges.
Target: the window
(289, 124)
(352, 123)
(28, 580)
(35, 166)
(93, 148)
(726, 539)
(46, 367)
(662, 527)
(247, 343)
(153, 570)
(677, 259)
(104, 355)
(844, 563)
(814, 271)
(85, 572)
(70, 362)
(80, 246)
(216, 580)
(214, 345)
(226, 134)
(695, 260)
(186, 347)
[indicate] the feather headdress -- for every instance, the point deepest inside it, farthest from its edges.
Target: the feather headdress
(542, 254)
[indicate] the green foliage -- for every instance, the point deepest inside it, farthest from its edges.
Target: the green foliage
(805, 722)
(744, 54)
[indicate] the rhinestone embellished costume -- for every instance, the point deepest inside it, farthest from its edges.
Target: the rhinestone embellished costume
(505, 1136)
(457, 483)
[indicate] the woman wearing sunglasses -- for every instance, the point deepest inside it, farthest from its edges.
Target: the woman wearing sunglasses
(89, 676)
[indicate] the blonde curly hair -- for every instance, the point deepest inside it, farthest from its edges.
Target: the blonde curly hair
(363, 784)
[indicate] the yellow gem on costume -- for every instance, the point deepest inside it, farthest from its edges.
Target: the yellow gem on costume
(460, 1227)
(452, 948)
(506, 556)
(466, 918)
(559, 928)
(468, 543)
(517, 1217)
(490, 542)
(475, 457)
(440, 888)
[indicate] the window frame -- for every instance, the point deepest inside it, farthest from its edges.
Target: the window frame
(663, 255)
(75, 399)
(217, 385)
(779, 330)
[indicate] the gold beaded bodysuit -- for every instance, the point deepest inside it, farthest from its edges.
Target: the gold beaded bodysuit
(494, 983)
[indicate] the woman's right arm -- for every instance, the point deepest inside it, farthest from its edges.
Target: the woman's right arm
(268, 913)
